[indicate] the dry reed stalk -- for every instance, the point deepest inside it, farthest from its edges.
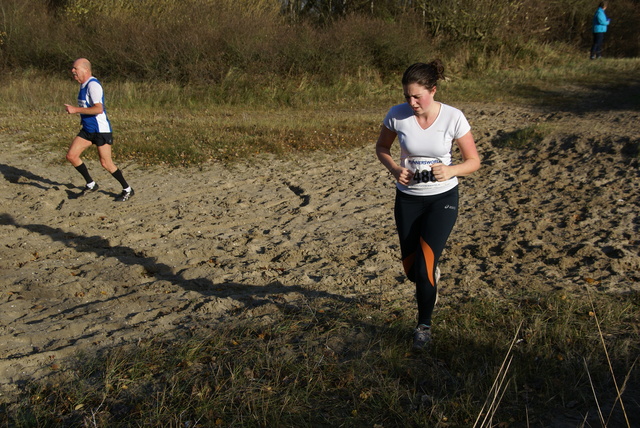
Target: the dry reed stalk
(593, 390)
(624, 386)
(606, 353)
(497, 390)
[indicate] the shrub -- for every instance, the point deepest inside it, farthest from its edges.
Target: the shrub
(204, 40)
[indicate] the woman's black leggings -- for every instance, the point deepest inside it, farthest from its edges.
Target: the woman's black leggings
(424, 224)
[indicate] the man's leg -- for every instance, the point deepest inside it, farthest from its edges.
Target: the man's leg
(79, 145)
(104, 151)
(107, 163)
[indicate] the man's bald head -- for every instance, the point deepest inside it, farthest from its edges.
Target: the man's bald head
(81, 70)
(84, 63)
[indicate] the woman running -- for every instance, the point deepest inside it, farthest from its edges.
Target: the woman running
(426, 205)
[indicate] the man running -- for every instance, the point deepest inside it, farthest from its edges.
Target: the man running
(96, 129)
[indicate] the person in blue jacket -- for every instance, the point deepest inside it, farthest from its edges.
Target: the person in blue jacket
(96, 129)
(600, 23)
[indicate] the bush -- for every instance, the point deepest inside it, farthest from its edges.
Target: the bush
(205, 40)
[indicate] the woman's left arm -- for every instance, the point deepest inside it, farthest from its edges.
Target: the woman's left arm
(470, 160)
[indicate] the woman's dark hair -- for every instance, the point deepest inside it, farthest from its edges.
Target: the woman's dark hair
(423, 74)
(602, 4)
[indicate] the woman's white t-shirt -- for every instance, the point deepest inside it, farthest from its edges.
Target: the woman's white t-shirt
(419, 148)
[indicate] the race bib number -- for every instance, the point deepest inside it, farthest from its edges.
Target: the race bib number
(423, 176)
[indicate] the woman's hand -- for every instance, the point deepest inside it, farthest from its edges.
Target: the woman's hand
(402, 175)
(442, 172)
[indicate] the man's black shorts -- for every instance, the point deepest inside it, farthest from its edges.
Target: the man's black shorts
(97, 138)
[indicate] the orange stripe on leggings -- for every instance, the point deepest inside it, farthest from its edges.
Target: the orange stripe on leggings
(407, 263)
(429, 259)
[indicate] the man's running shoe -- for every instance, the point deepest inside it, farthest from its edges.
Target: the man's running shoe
(125, 196)
(86, 190)
(421, 337)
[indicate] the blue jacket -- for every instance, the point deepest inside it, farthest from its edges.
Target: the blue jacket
(600, 21)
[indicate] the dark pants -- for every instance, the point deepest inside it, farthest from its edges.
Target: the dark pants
(596, 48)
(424, 224)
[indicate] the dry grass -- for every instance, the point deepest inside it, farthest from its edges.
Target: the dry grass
(329, 363)
(237, 118)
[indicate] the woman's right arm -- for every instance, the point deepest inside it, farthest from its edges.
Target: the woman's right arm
(383, 151)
